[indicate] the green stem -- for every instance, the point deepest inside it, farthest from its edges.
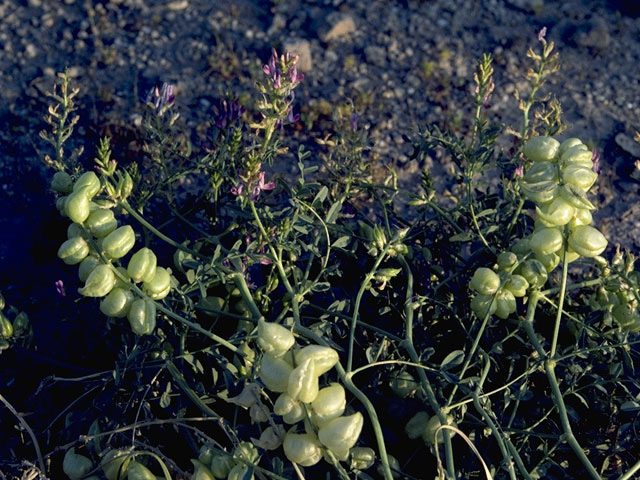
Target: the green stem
(188, 391)
(563, 289)
(628, 475)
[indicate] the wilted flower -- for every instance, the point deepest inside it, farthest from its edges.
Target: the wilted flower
(60, 288)
(541, 35)
(519, 171)
(161, 99)
(354, 121)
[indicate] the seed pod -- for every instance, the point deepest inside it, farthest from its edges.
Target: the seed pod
(558, 213)
(521, 247)
(118, 243)
(88, 181)
(6, 328)
(416, 425)
(246, 452)
(142, 266)
(117, 303)
(506, 260)
(569, 143)
(485, 281)
(240, 472)
(482, 305)
(394, 465)
(541, 149)
(328, 404)
(74, 230)
(142, 316)
(303, 382)
(86, 267)
(576, 156)
(121, 283)
(289, 409)
(550, 262)
(160, 286)
(73, 251)
(101, 222)
(582, 217)
(324, 358)
(626, 315)
(541, 192)
(62, 182)
(274, 338)
(274, 373)
(541, 172)
(115, 463)
(517, 285)
(579, 176)
(303, 449)
(221, 465)
(75, 466)
(137, 471)
(340, 434)
(429, 435)
(201, 471)
(403, 384)
(100, 282)
(587, 241)
(546, 241)
(534, 272)
(576, 197)
(505, 303)
(20, 323)
(77, 206)
(362, 458)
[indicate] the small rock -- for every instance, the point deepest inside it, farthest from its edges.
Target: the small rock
(35, 3)
(302, 48)
(629, 145)
(31, 50)
(375, 55)
(596, 37)
(278, 23)
(339, 25)
(178, 5)
(75, 71)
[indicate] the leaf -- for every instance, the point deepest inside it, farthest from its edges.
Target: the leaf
(630, 406)
(320, 197)
(301, 229)
(454, 359)
(581, 398)
(342, 242)
(321, 287)
(333, 212)
(461, 237)
(165, 399)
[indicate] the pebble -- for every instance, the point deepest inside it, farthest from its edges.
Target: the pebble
(340, 25)
(375, 55)
(628, 144)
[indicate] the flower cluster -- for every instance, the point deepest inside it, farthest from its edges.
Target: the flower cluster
(251, 185)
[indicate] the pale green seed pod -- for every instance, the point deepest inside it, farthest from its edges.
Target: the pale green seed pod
(559, 212)
(137, 471)
(121, 283)
(482, 305)
(62, 182)
(101, 222)
(160, 286)
(289, 409)
(541, 172)
(324, 358)
(75, 466)
(73, 251)
(541, 192)
(274, 338)
(506, 260)
(551, 261)
(142, 266)
(517, 285)
(430, 437)
(362, 458)
(587, 241)
(303, 449)
(340, 434)
(100, 282)
(142, 316)
(201, 471)
(74, 230)
(569, 143)
(77, 206)
(303, 382)
(582, 217)
(117, 303)
(115, 463)
(534, 272)
(403, 384)
(485, 281)
(576, 197)
(541, 149)
(90, 181)
(505, 304)
(274, 373)
(576, 156)
(240, 472)
(118, 243)
(416, 425)
(521, 247)
(579, 176)
(221, 465)
(86, 267)
(328, 404)
(546, 241)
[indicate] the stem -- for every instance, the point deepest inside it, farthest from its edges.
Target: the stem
(563, 289)
(26, 426)
(629, 474)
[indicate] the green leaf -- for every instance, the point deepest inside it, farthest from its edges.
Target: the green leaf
(454, 359)
(333, 212)
(461, 237)
(320, 197)
(342, 242)
(165, 399)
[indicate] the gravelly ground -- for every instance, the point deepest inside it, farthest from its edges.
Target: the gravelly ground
(401, 62)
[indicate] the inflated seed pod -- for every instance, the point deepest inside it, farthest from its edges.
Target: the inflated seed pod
(541, 192)
(160, 286)
(101, 222)
(303, 382)
(521, 246)
(324, 358)
(626, 315)
(142, 265)
(582, 217)
(340, 434)
(118, 243)
(62, 182)
(201, 471)
(121, 283)
(577, 156)
(289, 409)
(546, 241)
(541, 149)
(568, 143)
(245, 451)
(142, 316)
(576, 197)
(90, 181)
(115, 463)
(587, 241)
(61, 202)
(559, 212)
(416, 425)
(541, 172)
(534, 272)
(328, 404)
(571, 255)
(579, 176)
(221, 465)
(303, 449)
(137, 471)
(403, 384)
(274, 338)
(506, 260)
(505, 304)
(75, 466)
(517, 285)
(362, 458)
(551, 261)
(6, 327)
(429, 435)
(485, 281)
(240, 472)
(77, 206)
(73, 251)
(482, 305)
(74, 230)
(274, 373)
(86, 267)
(99, 283)
(117, 303)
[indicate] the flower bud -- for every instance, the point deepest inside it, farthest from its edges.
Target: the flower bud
(303, 382)
(61, 182)
(142, 316)
(325, 358)
(274, 373)
(541, 149)
(303, 449)
(340, 434)
(160, 286)
(118, 243)
(88, 181)
(485, 281)
(587, 241)
(73, 251)
(245, 451)
(101, 222)
(274, 338)
(328, 404)
(142, 265)
(100, 281)
(117, 303)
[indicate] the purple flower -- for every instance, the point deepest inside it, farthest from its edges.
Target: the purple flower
(541, 34)
(228, 112)
(595, 158)
(261, 186)
(519, 171)
(60, 288)
(294, 76)
(354, 121)
(161, 99)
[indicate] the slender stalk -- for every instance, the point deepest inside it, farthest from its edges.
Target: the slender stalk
(628, 475)
(563, 289)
